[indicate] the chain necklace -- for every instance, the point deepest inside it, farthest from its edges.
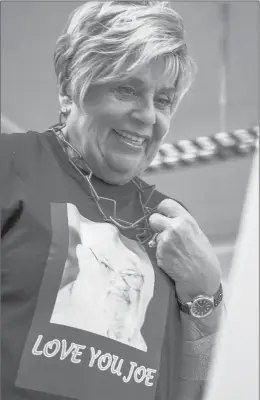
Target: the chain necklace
(144, 233)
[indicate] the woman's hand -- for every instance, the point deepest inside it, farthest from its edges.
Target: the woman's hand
(183, 252)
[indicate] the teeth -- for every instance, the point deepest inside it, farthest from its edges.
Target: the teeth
(132, 138)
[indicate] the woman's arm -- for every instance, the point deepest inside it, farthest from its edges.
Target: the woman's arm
(199, 339)
(187, 257)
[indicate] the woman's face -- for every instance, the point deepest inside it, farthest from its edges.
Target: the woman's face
(123, 123)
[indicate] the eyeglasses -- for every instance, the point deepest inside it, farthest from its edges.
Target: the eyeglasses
(133, 279)
(144, 233)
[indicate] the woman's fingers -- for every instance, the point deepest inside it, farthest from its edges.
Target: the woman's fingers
(172, 209)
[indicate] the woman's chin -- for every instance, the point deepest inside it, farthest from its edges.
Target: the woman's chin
(119, 170)
(115, 177)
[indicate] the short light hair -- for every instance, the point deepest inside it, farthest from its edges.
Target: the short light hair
(107, 41)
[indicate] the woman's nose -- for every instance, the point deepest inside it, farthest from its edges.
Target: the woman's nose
(145, 112)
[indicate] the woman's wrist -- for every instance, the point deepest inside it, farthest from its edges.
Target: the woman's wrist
(187, 291)
(194, 328)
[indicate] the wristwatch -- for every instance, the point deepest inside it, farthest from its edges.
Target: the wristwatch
(202, 306)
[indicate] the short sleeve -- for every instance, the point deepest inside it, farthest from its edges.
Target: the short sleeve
(11, 186)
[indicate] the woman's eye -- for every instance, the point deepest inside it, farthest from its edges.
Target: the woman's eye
(127, 90)
(164, 102)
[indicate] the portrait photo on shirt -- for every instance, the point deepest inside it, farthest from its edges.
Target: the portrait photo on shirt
(94, 329)
(107, 283)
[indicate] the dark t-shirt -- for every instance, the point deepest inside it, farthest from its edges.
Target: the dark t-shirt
(86, 312)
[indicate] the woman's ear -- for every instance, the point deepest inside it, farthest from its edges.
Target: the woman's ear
(65, 101)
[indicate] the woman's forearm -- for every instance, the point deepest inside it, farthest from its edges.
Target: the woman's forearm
(195, 329)
(199, 338)
(191, 390)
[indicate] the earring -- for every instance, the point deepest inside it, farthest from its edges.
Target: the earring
(64, 112)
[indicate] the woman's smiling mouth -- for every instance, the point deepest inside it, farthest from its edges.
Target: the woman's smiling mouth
(130, 139)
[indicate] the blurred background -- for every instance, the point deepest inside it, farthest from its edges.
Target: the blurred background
(223, 40)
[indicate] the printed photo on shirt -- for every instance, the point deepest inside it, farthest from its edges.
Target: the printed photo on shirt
(107, 283)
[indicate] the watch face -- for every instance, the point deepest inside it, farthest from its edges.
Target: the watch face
(202, 307)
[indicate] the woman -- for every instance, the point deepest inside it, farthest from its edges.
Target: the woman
(122, 70)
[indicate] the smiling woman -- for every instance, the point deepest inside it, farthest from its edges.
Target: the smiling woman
(123, 123)
(136, 73)
(92, 254)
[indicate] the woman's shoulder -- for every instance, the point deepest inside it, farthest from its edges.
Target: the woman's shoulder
(19, 145)
(11, 148)
(20, 149)
(20, 141)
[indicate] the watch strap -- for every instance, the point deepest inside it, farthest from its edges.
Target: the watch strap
(218, 296)
(183, 306)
